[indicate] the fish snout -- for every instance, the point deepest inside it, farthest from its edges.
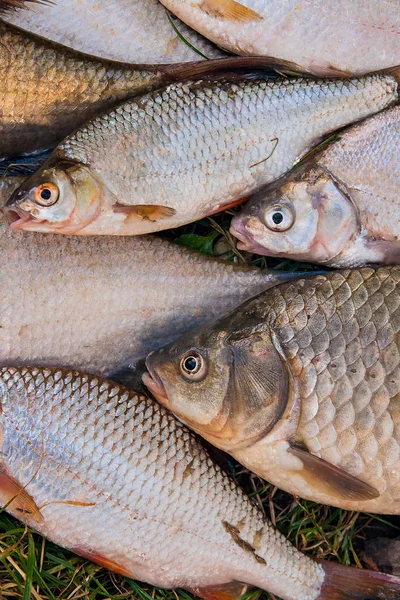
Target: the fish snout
(246, 242)
(152, 380)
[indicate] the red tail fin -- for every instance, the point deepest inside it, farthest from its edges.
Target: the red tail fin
(347, 583)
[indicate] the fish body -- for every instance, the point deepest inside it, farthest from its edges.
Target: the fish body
(192, 149)
(86, 462)
(353, 37)
(101, 304)
(341, 207)
(122, 30)
(302, 385)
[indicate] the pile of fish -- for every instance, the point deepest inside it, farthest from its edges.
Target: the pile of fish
(296, 376)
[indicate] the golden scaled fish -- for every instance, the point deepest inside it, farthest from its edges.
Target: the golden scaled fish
(192, 149)
(109, 474)
(301, 385)
(340, 208)
(134, 31)
(352, 36)
(49, 90)
(101, 304)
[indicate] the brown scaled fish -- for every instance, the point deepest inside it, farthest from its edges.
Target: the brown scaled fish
(113, 476)
(190, 150)
(49, 90)
(302, 385)
(340, 208)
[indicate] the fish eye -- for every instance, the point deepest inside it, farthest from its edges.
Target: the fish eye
(193, 366)
(46, 194)
(278, 218)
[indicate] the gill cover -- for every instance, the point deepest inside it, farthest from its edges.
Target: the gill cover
(259, 387)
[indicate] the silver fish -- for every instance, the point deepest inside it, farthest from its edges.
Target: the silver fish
(133, 31)
(354, 37)
(114, 477)
(341, 207)
(101, 304)
(190, 150)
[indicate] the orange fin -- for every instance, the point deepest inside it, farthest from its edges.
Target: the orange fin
(146, 212)
(103, 561)
(14, 495)
(343, 484)
(347, 583)
(229, 10)
(227, 591)
(229, 205)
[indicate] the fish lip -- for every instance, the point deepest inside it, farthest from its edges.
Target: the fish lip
(16, 217)
(153, 382)
(246, 241)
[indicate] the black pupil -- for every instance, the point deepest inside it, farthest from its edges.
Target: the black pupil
(45, 194)
(277, 218)
(190, 363)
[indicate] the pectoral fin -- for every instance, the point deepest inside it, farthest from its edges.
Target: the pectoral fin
(145, 212)
(344, 485)
(228, 591)
(103, 561)
(229, 10)
(14, 495)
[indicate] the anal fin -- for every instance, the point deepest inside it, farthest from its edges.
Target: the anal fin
(13, 495)
(343, 484)
(227, 591)
(103, 561)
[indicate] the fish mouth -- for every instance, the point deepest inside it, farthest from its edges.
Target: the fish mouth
(16, 217)
(153, 382)
(246, 240)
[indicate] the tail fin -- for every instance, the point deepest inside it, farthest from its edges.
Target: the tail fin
(347, 583)
(7, 5)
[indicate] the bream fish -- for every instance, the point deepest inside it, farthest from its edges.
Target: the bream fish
(341, 207)
(187, 151)
(355, 37)
(125, 30)
(301, 385)
(86, 462)
(102, 304)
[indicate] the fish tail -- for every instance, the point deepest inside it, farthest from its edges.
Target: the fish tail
(348, 583)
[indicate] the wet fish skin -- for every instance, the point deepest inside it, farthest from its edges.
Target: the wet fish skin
(353, 37)
(340, 208)
(121, 30)
(102, 304)
(301, 385)
(94, 459)
(118, 174)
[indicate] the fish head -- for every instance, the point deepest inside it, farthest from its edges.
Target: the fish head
(304, 216)
(228, 381)
(61, 197)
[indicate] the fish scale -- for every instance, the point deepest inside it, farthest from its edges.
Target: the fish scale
(187, 151)
(113, 473)
(320, 360)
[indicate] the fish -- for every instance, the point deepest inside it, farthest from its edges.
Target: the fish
(85, 462)
(192, 149)
(49, 90)
(339, 208)
(301, 384)
(322, 37)
(102, 304)
(123, 30)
